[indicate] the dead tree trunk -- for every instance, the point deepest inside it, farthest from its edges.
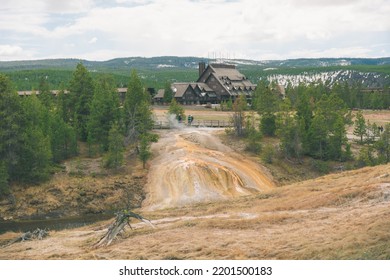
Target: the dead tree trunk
(36, 234)
(122, 219)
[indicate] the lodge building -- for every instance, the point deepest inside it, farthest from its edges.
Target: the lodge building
(216, 83)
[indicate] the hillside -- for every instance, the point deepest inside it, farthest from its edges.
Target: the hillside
(371, 72)
(345, 215)
(339, 216)
(153, 63)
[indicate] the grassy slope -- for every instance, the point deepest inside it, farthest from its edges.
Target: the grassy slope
(338, 216)
(82, 186)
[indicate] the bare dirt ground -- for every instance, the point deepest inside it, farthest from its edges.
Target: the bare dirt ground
(199, 113)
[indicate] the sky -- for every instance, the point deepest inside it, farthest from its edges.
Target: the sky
(241, 29)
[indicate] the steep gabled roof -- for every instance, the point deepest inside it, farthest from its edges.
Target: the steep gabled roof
(229, 77)
(160, 93)
(179, 89)
(203, 87)
(225, 71)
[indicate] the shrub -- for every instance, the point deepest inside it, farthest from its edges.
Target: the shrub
(268, 124)
(366, 157)
(320, 166)
(268, 154)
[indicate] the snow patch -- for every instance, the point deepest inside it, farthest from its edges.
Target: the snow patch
(165, 66)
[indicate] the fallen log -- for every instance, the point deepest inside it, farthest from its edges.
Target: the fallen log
(36, 234)
(122, 219)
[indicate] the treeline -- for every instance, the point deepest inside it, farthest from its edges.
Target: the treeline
(354, 96)
(57, 78)
(374, 141)
(39, 131)
(310, 120)
(300, 70)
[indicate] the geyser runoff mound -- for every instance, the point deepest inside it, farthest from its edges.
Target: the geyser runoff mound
(192, 165)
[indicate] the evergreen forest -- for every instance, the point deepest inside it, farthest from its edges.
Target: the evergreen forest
(38, 132)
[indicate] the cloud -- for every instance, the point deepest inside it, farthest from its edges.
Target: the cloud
(68, 6)
(134, 2)
(8, 50)
(187, 27)
(47, 6)
(93, 40)
(13, 52)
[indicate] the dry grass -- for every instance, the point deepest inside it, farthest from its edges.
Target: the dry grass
(199, 112)
(339, 216)
(83, 187)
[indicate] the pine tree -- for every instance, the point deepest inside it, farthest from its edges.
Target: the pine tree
(4, 187)
(238, 117)
(144, 149)
(63, 105)
(63, 139)
(318, 135)
(36, 149)
(103, 112)
(264, 100)
(360, 126)
(253, 135)
(137, 112)
(337, 139)
(266, 103)
(304, 108)
(11, 130)
(290, 134)
(36, 163)
(383, 145)
(326, 134)
(115, 156)
(229, 104)
(176, 109)
(45, 95)
(372, 132)
(81, 92)
(168, 93)
(268, 124)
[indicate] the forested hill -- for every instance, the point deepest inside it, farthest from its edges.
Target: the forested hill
(123, 64)
(156, 71)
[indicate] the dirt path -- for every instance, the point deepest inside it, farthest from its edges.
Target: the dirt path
(192, 165)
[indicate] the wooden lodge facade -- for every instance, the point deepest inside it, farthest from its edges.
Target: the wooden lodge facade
(216, 83)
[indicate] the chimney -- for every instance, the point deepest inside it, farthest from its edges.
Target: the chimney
(202, 67)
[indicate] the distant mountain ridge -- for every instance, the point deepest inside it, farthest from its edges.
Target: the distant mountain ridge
(157, 71)
(184, 62)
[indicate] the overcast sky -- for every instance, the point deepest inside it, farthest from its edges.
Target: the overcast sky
(250, 29)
